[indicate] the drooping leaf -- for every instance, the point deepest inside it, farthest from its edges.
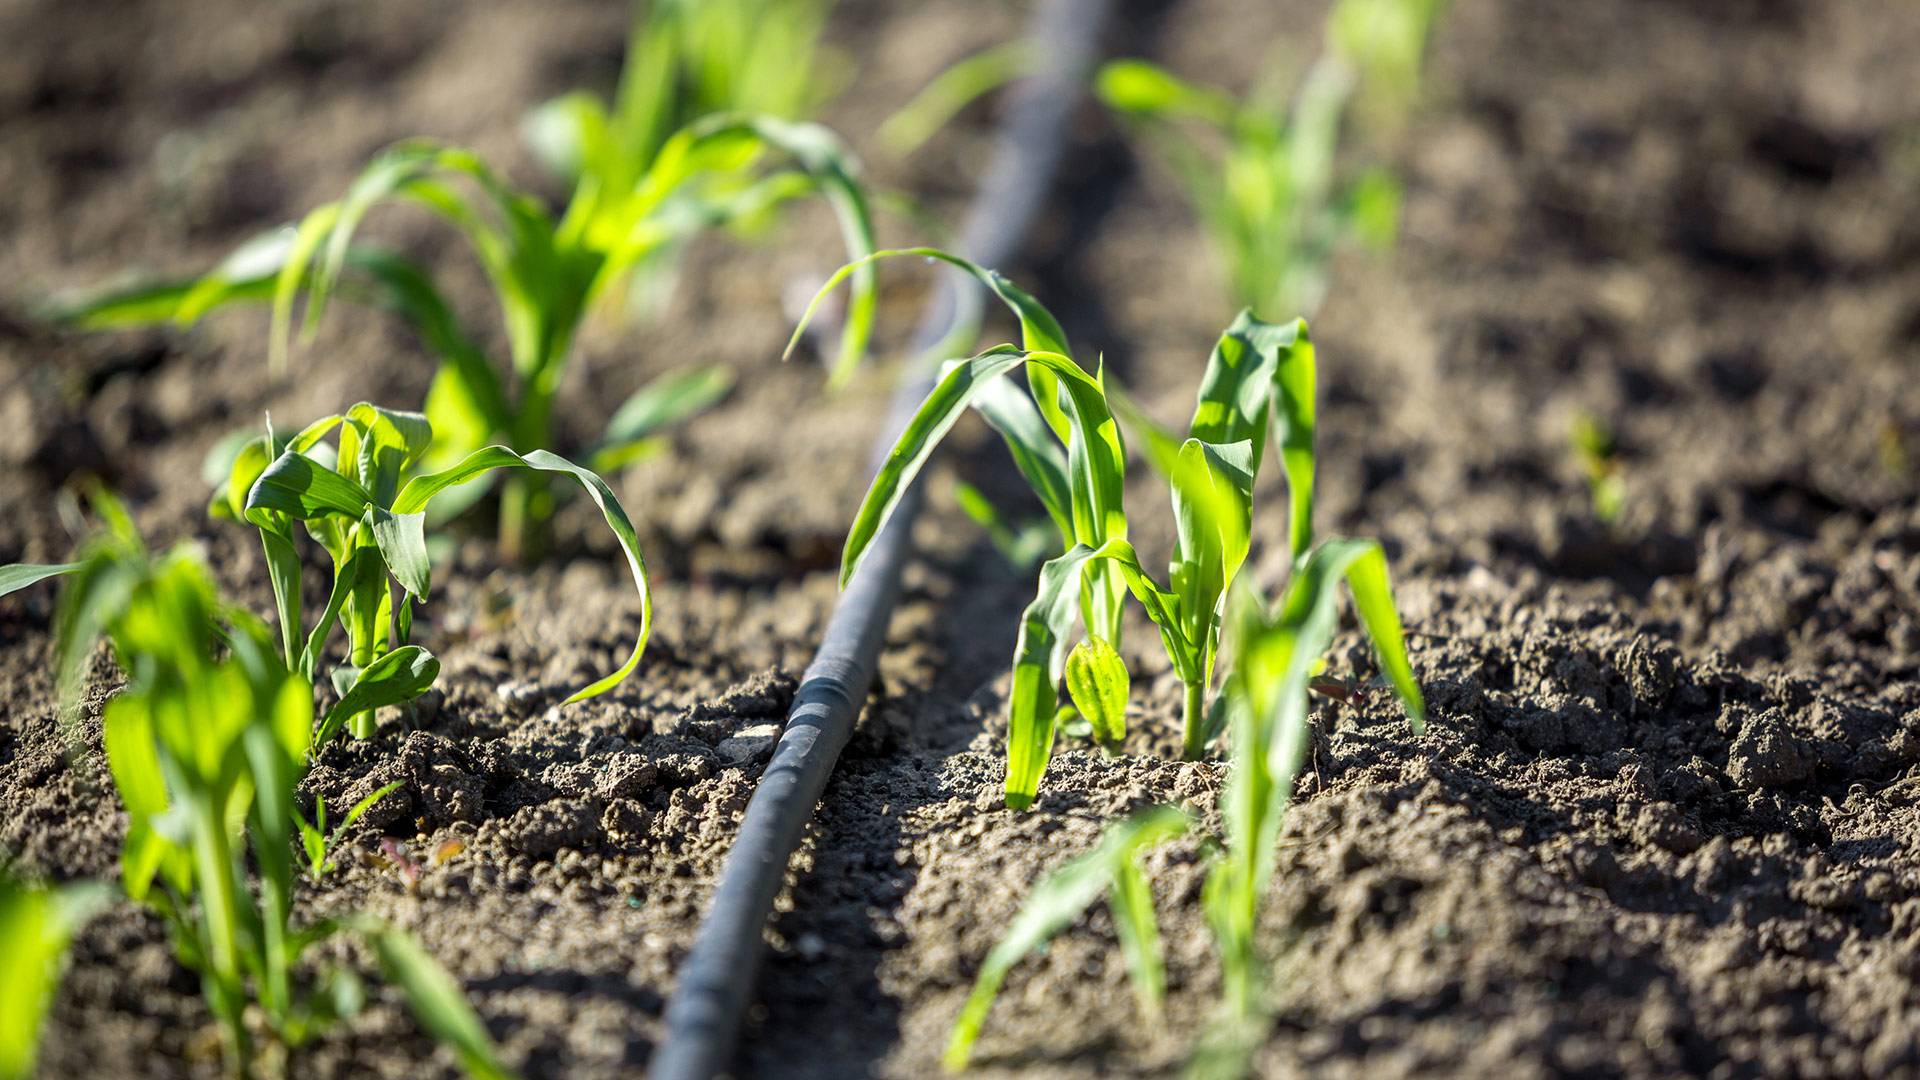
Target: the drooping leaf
(18, 576)
(1097, 471)
(1054, 904)
(399, 676)
(435, 1000)
(420, 490)
(296, 485)
(1036, 453)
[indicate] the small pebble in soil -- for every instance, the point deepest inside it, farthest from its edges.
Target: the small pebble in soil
(749, 744)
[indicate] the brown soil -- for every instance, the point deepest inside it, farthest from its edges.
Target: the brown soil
(1663, 822)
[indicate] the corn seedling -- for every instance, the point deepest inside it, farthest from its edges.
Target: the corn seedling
(1598, 454)
(317, 843)
(36, 924)
(206, 745)
(660, 168)
(1261, 172)
(1277, 653)
(362, 498)
(1112, 869)
(1065, 441)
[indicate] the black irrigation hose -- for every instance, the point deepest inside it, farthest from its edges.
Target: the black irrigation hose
(716, 980)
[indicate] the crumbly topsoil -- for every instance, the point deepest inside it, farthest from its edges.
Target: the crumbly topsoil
(1662, 823)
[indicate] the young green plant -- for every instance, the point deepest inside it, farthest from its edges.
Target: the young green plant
(1262, 173)
(639, 190)
(36, 925)
(362, 498)
(206, 745)
(1066, 443)
(1277, 652)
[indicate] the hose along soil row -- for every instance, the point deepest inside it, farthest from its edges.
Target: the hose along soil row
(715, 983)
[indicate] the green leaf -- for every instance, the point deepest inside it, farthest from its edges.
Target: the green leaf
(1098, 682)
(378, 445)
(1053, 905)
(401, 675)
(1294, 414)
(1096, 460)
(303, 489)
(367, 804)
(1163, 446)
(1213, 512)
(36, 925)
(402, 539)
(1039, 330)
(1022, 544)
(1136, 86)
(1036, 453)
(822, 155)
(421, 489)
(1039, 660)
(954, 89)
(18, 576)
(435, 999)
(1131, 901)
(666, 401)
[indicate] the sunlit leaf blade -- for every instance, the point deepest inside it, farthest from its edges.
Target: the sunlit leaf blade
(832, 166)
(419, 491)
(1136, 86)
(1096, 465)
(1367, 579)
(1134, 923)
(1294, 415)
(367, 803)
(1098, 683)
(666, 401)
(402, 539)
(399, 676)
(36, 925)
(18, 576)
(1052, 906)
(953, 90)
(301, 488)
(1039, 330)
(1039, 660)
(435, 1000)
(1036, 453)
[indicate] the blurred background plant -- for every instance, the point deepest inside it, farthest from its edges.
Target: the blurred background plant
(1264, 172)
(705, 95)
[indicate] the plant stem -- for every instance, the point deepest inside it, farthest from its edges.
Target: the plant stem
(1193, 716)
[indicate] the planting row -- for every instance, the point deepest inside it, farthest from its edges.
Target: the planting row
(219, 717)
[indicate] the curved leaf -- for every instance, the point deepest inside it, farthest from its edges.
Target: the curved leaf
(18, 576)
(1096, 460)
(301, 488)
(399, 676)
(1054, 904)
(419, 491)
(668, 400)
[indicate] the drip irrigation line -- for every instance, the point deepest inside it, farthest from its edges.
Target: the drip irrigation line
(716, 980)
